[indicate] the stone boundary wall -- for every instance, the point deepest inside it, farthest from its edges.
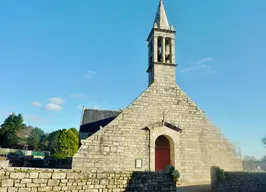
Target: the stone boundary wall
(4, 163)
(238, 181)
(35, 180)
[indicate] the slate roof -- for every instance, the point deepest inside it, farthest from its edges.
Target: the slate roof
(92, 119)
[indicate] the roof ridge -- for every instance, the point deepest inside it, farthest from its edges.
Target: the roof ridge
(101, 109)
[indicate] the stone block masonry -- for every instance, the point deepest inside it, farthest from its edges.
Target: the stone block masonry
(194, 145)
(239, 182)
(37, 180)
(198, 147)
(4, 164)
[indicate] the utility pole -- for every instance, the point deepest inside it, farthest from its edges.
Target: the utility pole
(238, 149)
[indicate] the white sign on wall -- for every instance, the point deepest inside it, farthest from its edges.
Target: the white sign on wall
(27, 153)
(138, 163)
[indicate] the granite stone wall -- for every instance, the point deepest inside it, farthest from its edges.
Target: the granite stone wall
(132, 134)
(239, 181)
(199, 146)
(35, 180)
(4, 163)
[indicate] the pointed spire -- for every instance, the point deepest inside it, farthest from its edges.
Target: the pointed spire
(161, 20)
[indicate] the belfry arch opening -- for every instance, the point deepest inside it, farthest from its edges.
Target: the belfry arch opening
(164, 152)
(168, 50)
(160, 49)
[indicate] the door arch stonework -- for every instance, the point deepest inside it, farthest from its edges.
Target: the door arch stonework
(174, 142)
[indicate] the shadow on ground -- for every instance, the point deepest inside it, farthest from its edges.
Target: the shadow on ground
(194, 188)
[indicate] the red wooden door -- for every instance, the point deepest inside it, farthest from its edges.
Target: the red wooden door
(162, 153)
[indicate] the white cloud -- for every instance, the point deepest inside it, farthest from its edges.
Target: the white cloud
(54, 104)
(204, 60)
(201, 65)
(36, 104)
(89, 74)
(56, 100)
(53, 107)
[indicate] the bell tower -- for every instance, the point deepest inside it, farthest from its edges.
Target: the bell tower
(161, 45)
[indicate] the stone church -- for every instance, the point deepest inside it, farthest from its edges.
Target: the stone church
(161, 126)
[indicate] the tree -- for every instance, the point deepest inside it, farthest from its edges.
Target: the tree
(35, 137)
(51, 139)
(263, 159)
(38, 139)
(75, 131)
(249, 158)
(23, 135)
(65, 144)
(24, 131)
(9, 128)
(44, 142)
(264, 141)
(250, 162)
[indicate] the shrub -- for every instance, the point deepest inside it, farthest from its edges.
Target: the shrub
(65, 144)
(176, 175)
(169, 169)
(219, 173)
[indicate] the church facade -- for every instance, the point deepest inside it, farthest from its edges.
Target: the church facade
(160, 127)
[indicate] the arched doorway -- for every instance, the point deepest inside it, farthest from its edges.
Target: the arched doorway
(162, 153)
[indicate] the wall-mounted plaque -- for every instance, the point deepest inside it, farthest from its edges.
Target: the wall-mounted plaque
(138, 163)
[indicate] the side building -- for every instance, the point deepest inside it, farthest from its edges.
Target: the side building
(93, 120)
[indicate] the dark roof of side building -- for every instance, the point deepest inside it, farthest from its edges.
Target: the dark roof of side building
(93, 119)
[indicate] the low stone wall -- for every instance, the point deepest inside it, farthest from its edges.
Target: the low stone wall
(238, 181)
(35, 180)
(4, 164)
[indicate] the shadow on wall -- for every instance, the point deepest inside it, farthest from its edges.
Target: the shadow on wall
(150, 181)
(194, 188)
(30, 161)
(224, 181)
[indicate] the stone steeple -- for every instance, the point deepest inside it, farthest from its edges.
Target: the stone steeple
(161, 43)
(161, 20)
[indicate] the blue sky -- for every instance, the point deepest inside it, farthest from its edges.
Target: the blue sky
(58, 55)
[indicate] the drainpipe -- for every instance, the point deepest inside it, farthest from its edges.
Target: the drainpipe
(149, 149)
